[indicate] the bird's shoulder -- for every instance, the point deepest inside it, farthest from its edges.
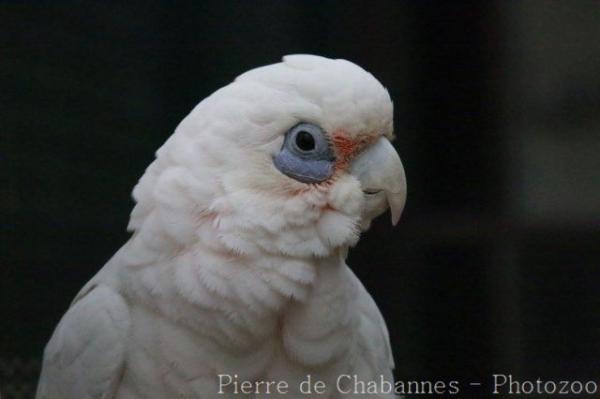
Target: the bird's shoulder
(85, 356)
(373, 331)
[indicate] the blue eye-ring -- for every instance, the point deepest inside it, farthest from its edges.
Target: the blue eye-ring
(306, 154)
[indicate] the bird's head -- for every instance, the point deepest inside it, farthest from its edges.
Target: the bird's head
(292, 159)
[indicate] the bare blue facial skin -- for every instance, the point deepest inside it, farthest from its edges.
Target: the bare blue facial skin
(306, 154)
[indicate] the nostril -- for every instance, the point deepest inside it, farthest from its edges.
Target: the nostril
(371, 192)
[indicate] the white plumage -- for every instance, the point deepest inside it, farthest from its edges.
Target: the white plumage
(234, 267)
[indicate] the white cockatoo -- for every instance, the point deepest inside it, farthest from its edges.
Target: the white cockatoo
(236, 270)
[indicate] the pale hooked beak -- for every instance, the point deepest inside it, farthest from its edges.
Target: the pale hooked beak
(381, 175)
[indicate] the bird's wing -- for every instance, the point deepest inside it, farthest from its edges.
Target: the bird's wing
(373, 331)
(85, 356)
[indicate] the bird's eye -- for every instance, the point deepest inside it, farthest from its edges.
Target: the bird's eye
(305, 141)
(306, 154)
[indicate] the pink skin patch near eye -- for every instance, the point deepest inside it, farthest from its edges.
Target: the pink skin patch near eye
(347, 148)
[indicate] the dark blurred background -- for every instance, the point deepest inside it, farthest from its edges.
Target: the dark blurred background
(495, 266)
